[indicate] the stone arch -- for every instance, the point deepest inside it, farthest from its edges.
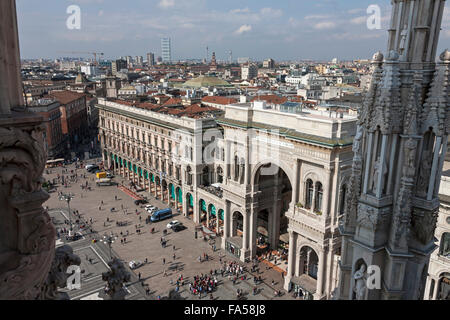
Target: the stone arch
(280, 164)
(237, 223)
(308, 261)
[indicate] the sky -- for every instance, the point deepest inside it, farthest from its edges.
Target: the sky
(258, 29)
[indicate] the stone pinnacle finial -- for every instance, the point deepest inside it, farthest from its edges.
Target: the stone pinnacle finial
(378, 57)
(445, 56)
(393, 56)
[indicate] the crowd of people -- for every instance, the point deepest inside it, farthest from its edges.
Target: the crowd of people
(203, 284)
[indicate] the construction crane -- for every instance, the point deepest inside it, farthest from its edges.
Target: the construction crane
(81, 52)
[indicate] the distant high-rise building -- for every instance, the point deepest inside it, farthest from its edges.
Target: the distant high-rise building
(166, 51)
(150, 59)
(139, 60)
(129, 61)
(249, 72)
(269, 64)
(118, 65)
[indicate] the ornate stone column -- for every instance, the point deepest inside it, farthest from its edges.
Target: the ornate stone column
(27, 236)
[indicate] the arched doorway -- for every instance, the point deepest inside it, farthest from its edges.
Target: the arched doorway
(444, 287)
(306, 282)
(203, 211)
(164, 191)
(220, 217)
(237, 227)
(172, 195)
(179, 197)
(189, 204)
(275, 195)
(158, 187)
(212, 218)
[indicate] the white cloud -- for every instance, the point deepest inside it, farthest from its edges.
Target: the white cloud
(325, 25)
(244, 28)
(166, 4)
(318, 16)
(359, 20)
(275, 13)
(355, 11)
(245, 10)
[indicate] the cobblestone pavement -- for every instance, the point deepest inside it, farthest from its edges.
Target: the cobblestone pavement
(147, 245)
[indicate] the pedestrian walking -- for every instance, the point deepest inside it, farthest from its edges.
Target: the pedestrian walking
(164, 261)
(139, 275)
(174, 257)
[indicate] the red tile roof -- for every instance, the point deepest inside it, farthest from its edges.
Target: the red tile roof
(219, 100)
(271, 99)
(172, 102)
(65, 96)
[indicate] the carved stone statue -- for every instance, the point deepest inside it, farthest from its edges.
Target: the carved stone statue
(378, 168)
(424, 174)
(57, 278)
(360, 286)
(403, 36)
(357, 141)
(116, 278)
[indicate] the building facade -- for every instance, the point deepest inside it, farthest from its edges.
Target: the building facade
(400, 146)
(74, 120)
(258, 186)
(54, 140)
(438, 281)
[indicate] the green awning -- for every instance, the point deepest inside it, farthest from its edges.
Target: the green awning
(203, 205)
(213, 210)
(180, 195)
(172, 191)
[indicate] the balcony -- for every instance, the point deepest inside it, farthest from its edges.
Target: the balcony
(214, 189)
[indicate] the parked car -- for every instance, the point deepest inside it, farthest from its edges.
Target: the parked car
(172, 223)
(93, 169)
(134, 264)
(140, 201)
(178, 227)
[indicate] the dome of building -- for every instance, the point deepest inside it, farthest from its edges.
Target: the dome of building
(206, 81)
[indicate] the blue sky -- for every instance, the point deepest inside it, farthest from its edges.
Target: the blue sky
(283, 29)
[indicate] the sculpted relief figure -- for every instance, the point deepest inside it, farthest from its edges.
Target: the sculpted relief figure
(424, 175)
(357, 141)
(378, 168)
(359, 288)
(403, 36)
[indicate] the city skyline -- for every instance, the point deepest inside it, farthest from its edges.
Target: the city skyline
(291, 30)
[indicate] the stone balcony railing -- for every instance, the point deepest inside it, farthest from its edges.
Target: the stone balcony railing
(218, 192)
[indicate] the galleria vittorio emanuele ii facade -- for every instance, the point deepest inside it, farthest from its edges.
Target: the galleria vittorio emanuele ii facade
(255, 183)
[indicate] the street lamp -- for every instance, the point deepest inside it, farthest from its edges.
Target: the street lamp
(109, 240)
(67, 198)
